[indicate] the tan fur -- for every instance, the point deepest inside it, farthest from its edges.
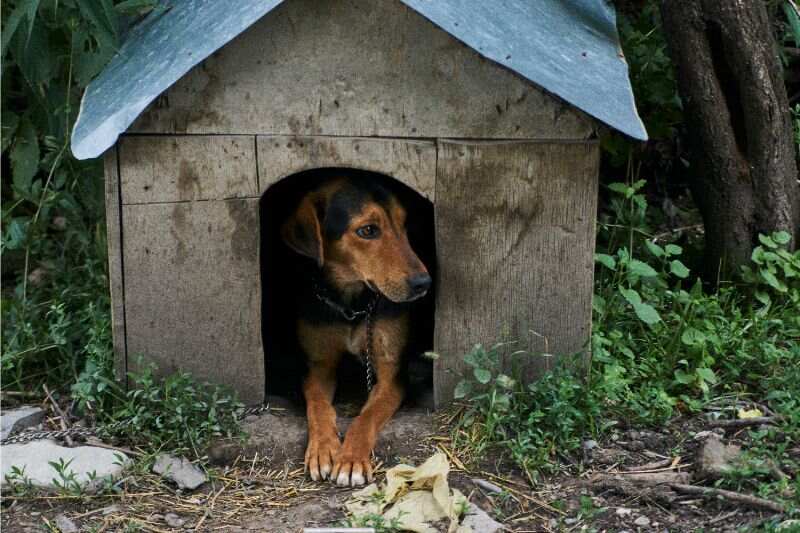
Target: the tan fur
(386, 264)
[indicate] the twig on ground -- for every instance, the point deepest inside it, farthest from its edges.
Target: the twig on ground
(745, 499)
(722, 517)
(745, 422)
(62, 416)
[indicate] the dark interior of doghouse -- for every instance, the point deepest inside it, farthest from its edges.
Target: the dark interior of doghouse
(283, 359)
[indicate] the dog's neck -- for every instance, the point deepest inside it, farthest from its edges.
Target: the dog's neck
(350, 297)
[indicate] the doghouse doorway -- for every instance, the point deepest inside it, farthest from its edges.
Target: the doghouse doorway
(284, 363)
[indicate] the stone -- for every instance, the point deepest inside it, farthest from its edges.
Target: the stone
(480, 521)
(84, 461)
(179, 470)
(623, 511)
(589, 445)
(173, 520)
(715, 458)
(65, 524)
(642, 521)
(14, 420)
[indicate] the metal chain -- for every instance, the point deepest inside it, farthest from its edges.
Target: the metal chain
(79, 431)
(370, 325)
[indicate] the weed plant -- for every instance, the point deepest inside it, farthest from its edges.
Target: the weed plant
(662, 345)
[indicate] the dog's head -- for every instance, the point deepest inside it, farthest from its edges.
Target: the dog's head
(355, 229)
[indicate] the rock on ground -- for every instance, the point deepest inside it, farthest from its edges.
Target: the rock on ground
(34, 458)
(18, 419)
(65, 525)
(714, 457)
(181, 471)
(480, 521)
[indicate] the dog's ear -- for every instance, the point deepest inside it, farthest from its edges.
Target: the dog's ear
(303, 232)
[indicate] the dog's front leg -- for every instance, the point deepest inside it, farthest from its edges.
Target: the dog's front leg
(352, 465)
(323, 438)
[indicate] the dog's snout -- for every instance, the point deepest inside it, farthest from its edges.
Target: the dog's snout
(419, 284)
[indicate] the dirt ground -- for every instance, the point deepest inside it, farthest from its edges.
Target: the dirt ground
(260, 486)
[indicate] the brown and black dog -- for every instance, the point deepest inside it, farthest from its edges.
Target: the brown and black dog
(351, 234)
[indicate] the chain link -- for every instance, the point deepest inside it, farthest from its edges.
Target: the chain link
(369, 370)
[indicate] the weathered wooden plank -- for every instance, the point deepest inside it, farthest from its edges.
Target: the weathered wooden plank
(116, 283)
(411, 162)
(193, 291)
(515, 241)
(357, 68)
(180, 168)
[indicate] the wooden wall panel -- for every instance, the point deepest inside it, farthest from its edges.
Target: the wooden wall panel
(357, 68)
(116, 283)
(183, 168)
(411, 162)
(193, 291)
(515, 230)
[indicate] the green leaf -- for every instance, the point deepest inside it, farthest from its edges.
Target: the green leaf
(622, 189)
(781, 237)
(15, 234)
(772, 281)
(693, 337)
(473, 356)
(24, 156)
(763, 297)
(683, 377)
(673, 249)
(463, 388)
(631, 295)
(679, 269)
(655, 249)
(606, 260)
(707, 375)
(767, 241)
(482, 375)
(646, 313)
(640, 268)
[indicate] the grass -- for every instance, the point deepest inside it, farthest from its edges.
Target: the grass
(663, 345)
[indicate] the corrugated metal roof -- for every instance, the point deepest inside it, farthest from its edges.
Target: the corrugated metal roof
(568, 47)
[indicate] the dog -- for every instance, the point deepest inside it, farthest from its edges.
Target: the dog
(357, 275)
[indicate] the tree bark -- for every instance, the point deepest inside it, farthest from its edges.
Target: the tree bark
(745, 177)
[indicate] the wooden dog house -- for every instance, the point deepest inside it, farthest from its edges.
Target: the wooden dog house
(487, 109)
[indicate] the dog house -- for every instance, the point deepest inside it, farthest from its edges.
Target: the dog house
(487, 109)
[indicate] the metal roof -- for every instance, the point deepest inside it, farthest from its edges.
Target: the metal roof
(568, 47)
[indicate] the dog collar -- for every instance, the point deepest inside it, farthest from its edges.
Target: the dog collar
(347, 313)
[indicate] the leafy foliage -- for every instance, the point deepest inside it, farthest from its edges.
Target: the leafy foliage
(173, 413)
(55, 304)
(661, 345)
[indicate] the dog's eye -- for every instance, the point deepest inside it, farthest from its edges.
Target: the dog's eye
(370, 231)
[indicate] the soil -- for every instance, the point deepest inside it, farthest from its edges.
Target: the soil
(259, 485)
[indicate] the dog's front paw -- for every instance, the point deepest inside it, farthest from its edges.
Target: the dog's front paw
(320, 455)
(352, 466)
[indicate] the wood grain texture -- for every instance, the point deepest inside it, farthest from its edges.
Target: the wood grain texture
(182, 168)
(193, 291)
(357, 68)
(116, 282)
(411, 162)
(515, 230)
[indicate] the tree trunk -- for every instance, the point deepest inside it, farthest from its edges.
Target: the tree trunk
(745, 178)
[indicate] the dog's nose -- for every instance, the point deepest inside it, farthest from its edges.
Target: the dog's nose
(419, 284)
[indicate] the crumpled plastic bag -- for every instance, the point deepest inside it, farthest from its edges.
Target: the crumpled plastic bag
(415, 497)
